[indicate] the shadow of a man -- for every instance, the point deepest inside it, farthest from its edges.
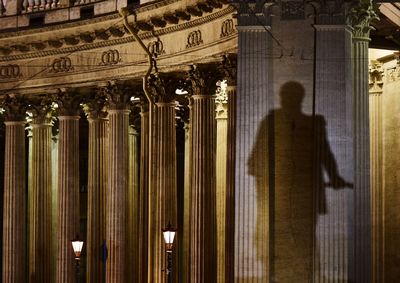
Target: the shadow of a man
(289, 180)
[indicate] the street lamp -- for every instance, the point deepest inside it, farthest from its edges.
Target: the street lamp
(77, 245)
(169, 235)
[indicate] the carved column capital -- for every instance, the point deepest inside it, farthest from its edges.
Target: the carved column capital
(228, 68)
(68, 101)
(376, 77)
(360, 18)
(95, 106)
(163, 87)
(221, 102)
(41, 110)
(15, 107)
(252, 13)
(118, 96)
(202, 80)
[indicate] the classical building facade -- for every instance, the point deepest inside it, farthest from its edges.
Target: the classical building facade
(255, 128)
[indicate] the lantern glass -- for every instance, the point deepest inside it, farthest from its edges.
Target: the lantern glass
(77, 245)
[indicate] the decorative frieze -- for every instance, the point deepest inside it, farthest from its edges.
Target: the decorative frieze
(156, 47)
(61, 65)
(194, 39)
(110, 57)
(227, 28)
(10, 71)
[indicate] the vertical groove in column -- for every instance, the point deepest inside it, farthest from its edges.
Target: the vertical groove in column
(133, 209)
(333, 143)
(144, 195)
(117, 195)
(186, 217)
(377, 187)
(68, 197)
(14, 207)
(203, 194)
(253, 252)
(40, 232)
(97, 188)
(362, 203)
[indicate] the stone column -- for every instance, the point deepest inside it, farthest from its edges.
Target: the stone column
(203, 246)
(333, 148)
(133, 200)
(229, 70)
(40, 241)
(221, 178)
(361, 18)
(68, 184)
(144, 192)
(97, 187)
(377, 189)
(14, 205)
(163, 203)
(254, 100)
(117, 193)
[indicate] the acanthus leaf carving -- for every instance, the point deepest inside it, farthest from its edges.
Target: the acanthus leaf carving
(15, 107)
(360, 18)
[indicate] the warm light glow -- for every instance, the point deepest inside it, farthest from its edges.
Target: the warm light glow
(169, 235)
(77, 245)
(180, 91)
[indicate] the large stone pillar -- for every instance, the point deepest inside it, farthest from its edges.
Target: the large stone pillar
(117, 193)
(229, 70)
(333, 147)
(377, 188)
(40, 242)
(144, 192)
(133, 199)
(361, 18)
(14, 205)
(163, 202)
(203, 236)
(97, 187)
(254, 99)
(68, 184)
(221, 178)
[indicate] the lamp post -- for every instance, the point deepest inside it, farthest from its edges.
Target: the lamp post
(77, 245)
(169, 235)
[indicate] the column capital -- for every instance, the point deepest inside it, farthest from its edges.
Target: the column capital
(228, 68)
(376, 74)
(118, 96)
(68, 101)
(163, 87)
(221, 102)
(15, 107)
(41, 110)
(252, 13)
(360, 18)
(331, 12)
(202, 80)
(95, 106)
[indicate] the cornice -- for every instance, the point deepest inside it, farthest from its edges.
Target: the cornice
(127, 39)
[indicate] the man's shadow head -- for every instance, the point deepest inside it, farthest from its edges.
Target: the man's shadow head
(292, 94)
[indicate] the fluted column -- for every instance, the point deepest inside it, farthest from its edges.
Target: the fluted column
(144, 193)
(163, 203)
(333, 149)
(68, 184)
(221, 158)
(203, 246)
(362, 195)
(97, 188)
(133, 242)
(14, 201)
(40, 242)
(377, 188)
(253, 252)
(118, 178)
(229, 71)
